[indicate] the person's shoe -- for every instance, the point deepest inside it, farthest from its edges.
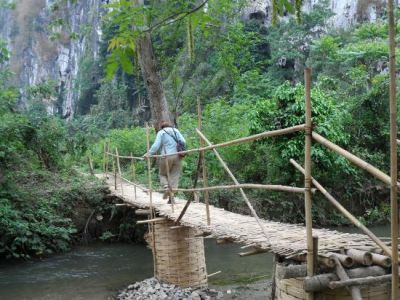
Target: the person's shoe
(166, 192)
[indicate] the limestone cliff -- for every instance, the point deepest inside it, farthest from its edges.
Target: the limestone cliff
(49, 39)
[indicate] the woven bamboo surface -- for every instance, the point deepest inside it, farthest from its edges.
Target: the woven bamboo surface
(180, 255)
(283, 239)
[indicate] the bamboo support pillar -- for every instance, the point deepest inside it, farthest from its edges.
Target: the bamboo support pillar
(203, 165)
(226, 168)
(307, 177)
(151, 227)
(393, 151)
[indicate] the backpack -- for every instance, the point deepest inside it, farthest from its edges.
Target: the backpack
(179, 145)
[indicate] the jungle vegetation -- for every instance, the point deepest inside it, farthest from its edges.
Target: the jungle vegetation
(249, 79)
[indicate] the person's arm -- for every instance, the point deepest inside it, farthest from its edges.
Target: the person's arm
(157, 144)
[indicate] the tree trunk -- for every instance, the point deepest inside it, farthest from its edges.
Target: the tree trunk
(152, 79)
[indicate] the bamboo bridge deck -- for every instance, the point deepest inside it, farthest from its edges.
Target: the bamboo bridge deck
(283, 239)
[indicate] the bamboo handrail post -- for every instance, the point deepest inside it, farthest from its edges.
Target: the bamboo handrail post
(115, 174)
(90, 164)
(133, 173)
(344, 211)
(203, 164)
(104, 157)
(106, 163)
(226, 168)
(119, 169)
(307, 177)
(151, 198)
(393, 150)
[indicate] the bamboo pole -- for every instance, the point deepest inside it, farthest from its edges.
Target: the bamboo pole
(142, 212)
(104, 156)
(106, 163)
(354, 159)
(126, 156)
(323, 281)
(345, 260)
(361, 281)
(393, 151)
(149, 221)
(119, 170)
(203, 164)
(90, 163)
(341, 273)
(307, 177)
(255, 137)
(213, 274)
(151, 228)
(381, 260)
(252, 252)
(272, 187)
(117, 158)
(115, 174)
(135, 185)
(361, 257)
(345, 212)
(133, 174)
(224, 165)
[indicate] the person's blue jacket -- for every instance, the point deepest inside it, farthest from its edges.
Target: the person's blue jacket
(165, 142)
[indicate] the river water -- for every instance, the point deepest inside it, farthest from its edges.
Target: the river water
(99, 270)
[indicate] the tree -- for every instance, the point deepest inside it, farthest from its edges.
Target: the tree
(135, 24)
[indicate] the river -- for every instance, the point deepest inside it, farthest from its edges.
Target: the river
(99, 270)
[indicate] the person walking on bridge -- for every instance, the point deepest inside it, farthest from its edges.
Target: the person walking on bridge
(168, 141)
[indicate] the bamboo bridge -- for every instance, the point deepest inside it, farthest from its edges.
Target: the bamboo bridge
(309, 263)
(288, 240)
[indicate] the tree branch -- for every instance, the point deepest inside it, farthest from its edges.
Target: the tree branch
(178, 16)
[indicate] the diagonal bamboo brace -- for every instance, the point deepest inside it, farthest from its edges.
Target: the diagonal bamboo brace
(345, 212)
(252, 211)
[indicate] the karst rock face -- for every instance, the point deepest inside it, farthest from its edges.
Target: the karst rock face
(50, 39)
(347, 12)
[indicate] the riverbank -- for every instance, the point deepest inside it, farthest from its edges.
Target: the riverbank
(151, 288)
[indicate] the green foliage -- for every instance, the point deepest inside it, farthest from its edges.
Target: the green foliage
(133, 20)
(7, 4)
(286, 109)
(37, 209)
(253, 87)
